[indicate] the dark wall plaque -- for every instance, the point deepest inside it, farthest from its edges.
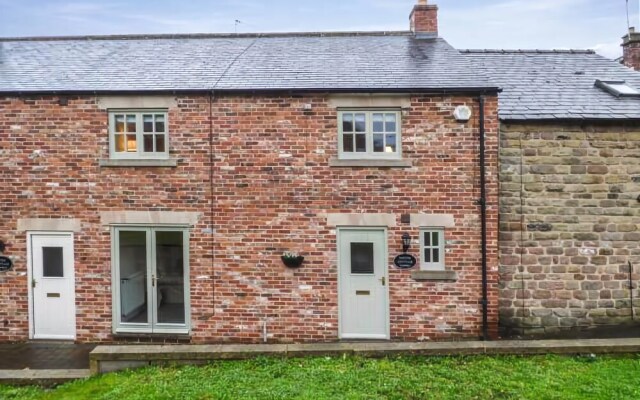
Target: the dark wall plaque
(5, 264)
(405, 261)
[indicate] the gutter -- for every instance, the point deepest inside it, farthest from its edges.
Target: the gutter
(426, 91)
(483, 220)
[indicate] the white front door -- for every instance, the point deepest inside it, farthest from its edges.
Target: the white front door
(53, 303)
(364, 305)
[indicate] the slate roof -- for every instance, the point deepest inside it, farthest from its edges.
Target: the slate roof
(373, 61)
(547, 85)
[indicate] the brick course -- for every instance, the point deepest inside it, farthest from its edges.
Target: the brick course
(272, 187)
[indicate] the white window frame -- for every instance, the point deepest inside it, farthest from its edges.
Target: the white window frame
(370, 154)
(151, 327)
(432, 266)
(139, 154)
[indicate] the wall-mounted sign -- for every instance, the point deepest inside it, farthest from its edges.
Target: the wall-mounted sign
(405, 261)
(5, 263)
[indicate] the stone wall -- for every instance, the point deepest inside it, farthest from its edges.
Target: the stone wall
(258, 170)
(569, 226)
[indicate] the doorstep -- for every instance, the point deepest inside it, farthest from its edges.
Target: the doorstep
(41, 377)
(113, 358)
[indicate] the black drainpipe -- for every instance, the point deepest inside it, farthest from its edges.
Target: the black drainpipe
(483, 221)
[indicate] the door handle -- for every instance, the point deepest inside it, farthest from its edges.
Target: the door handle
(383, 280)
(33, 283)
(153, 280)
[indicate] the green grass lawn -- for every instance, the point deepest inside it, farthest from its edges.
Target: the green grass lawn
(542, 377)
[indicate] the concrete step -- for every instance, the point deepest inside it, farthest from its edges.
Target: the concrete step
(113, 358)
(41, 377)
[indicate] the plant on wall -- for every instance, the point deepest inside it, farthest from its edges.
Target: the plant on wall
(292, 259)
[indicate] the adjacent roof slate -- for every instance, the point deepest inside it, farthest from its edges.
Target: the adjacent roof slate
(547, 85)
(334, 62)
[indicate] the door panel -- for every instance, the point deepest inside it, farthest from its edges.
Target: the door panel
(133, 277)
(363, 291)
(169, 286)
(52, 286)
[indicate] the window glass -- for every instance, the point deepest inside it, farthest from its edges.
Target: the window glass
(347, 143)
(391, 146)
(147, 121)
(361, 143)
(52, 262)
(132, 145)
(133, 276)
(378, 143)
(347, 122)
(160, 143)
(390, 122)
(361, 122)
(119, 139)
(159, 123)
(362, 258)
(148, 143)
(131, 123)
(170, 272)
(119, 123)
(378, 122)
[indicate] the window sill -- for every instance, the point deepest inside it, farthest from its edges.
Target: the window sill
(152, 336)
(449, 276)
(335, 162)
(115, 163)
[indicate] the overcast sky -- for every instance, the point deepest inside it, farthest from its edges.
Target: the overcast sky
(508, 24)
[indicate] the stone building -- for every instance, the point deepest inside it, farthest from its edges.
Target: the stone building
(569, 190)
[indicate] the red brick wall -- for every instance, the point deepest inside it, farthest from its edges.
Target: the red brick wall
(631, 53)
(424, 18)
(272, 187)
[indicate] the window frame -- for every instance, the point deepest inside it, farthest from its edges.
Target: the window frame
(139, 154)
(370, 154)
(432, 266)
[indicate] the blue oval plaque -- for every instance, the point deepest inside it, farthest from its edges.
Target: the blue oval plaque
(405, 261)
(5, 263)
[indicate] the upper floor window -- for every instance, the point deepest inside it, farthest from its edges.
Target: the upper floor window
(138, 134)
(373, 134)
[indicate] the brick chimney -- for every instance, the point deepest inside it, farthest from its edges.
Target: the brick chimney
(424, 19)
(631, 49)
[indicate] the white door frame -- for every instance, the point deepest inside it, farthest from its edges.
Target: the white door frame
(30, 278)
(385, 267)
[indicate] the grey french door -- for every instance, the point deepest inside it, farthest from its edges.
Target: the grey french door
(151, 278)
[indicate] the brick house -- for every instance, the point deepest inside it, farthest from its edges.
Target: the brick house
(151, 185)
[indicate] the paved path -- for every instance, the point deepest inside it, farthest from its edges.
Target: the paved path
(35, 355)
(43, 363)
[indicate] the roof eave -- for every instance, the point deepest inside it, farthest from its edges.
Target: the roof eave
(565, 120)
(439, 91)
